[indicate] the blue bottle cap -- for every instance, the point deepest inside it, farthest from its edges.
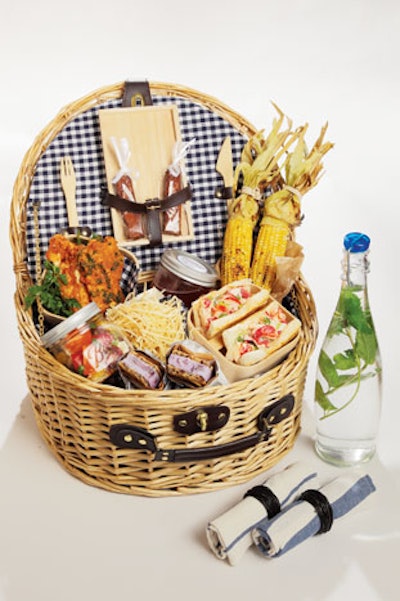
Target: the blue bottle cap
(355, 242)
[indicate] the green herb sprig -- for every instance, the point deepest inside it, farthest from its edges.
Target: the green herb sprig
(351, 365)
(48, 291)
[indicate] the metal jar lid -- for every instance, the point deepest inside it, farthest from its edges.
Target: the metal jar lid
(72, 322)
(189, 267)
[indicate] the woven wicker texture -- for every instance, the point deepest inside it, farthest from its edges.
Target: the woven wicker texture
(74, 416)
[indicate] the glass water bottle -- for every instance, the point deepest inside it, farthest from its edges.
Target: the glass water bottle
(349, 373)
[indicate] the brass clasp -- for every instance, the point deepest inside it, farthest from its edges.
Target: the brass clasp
(202, 420)
(137, 100)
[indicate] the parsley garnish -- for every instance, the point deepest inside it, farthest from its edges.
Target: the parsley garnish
(49, 292)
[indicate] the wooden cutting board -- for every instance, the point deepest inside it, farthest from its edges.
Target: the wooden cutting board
(152, 132)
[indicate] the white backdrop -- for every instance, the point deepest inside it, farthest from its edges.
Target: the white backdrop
(319, 61)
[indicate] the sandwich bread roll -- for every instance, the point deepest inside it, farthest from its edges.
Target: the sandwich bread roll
(222, 308)
(259, 335)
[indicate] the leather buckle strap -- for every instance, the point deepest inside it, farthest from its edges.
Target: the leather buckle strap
(122, 204)
(152, 208)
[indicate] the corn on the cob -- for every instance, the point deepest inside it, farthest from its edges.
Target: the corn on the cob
(257, 170)
(238, 239)
(271, 243)
(282, 210)
(257, 175)
(236, 256)
(281, 214)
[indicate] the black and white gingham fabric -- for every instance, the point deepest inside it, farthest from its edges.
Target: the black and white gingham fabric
(81, 139)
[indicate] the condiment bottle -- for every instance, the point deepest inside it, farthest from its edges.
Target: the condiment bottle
(87, 343)
(348, 380)
(184, 275)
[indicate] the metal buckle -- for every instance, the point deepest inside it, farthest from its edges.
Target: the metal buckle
(153, 204)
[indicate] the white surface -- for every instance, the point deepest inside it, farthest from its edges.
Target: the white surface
(339, 61)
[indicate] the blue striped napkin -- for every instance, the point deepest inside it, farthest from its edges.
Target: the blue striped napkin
(229, 535)
(300, 520)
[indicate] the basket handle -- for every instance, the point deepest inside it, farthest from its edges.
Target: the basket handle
(125, 436)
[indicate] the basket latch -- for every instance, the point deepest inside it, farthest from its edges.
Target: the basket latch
(136, 93)
(203, 419)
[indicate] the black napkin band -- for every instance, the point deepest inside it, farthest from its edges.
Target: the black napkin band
(267, 498)
(322, 507)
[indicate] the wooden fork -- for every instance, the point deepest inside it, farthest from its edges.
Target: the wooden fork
(68, 182)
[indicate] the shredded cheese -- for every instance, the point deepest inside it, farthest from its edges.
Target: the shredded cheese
(150, 322)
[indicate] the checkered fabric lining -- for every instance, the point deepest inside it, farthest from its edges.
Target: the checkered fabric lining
(81, 139)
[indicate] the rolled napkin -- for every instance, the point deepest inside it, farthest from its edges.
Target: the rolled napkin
(313, 513)
(229, 535)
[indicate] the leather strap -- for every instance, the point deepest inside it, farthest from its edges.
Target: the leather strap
(136, 93)
(199, 454)
(151, 208)
(122, 204)
(224, 192)
(128, 437)
(275, 413)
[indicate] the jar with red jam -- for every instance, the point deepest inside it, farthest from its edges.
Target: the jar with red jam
(87, 343)
(184, 275)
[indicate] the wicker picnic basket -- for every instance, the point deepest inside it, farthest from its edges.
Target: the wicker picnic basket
(126, 440)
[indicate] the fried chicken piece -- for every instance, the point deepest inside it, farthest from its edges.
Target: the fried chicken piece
(63, 253)
(93, 271)
(101, 264)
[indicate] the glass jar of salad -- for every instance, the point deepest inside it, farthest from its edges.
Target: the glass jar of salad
(87, 343)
